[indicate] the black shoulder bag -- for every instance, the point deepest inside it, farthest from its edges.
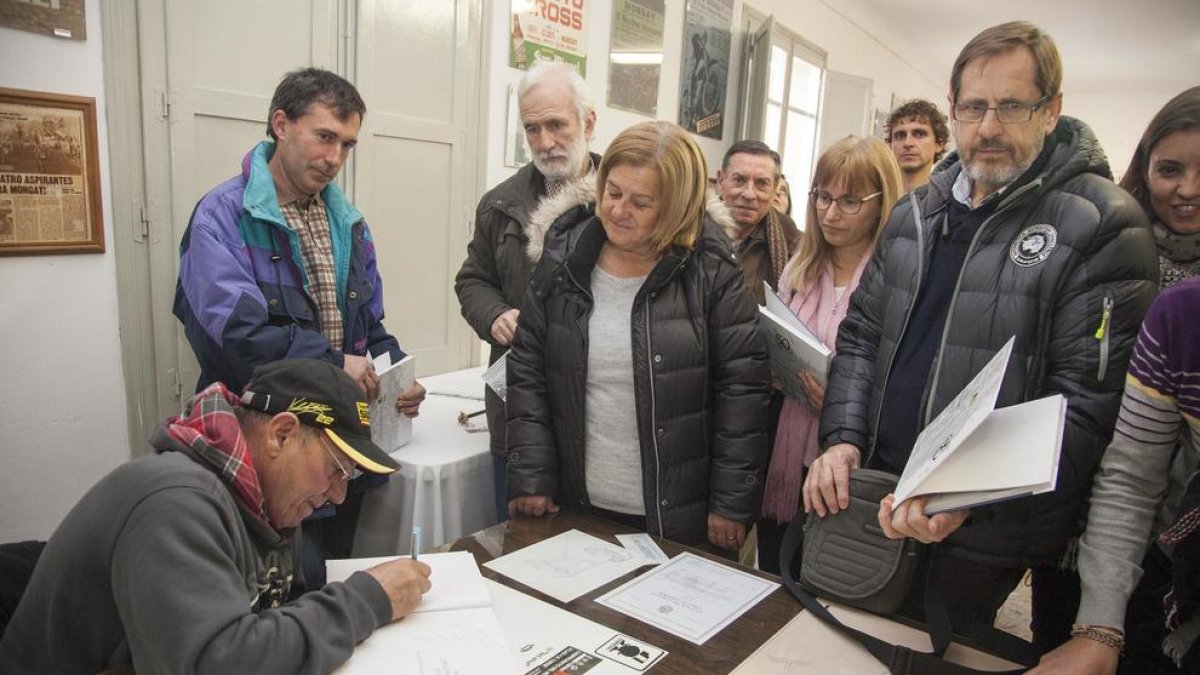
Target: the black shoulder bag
(848, 559)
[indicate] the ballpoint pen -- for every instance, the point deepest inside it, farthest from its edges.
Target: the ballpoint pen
(415, 542)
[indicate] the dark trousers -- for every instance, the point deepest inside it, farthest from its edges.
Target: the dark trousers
(770, 539)
(1055, 601)
(500, 482)
(974, 593)
(1145, 622)
(972, 590)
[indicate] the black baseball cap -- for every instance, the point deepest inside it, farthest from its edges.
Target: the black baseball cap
(321, 395)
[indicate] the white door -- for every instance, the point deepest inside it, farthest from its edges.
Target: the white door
(208, 70)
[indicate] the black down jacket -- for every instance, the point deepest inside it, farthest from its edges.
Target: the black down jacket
(1075, 315)
(700, 377)
(500, 257)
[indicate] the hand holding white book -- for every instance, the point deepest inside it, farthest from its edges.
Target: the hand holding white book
(791, 346)
(390, 428)
(973, 454)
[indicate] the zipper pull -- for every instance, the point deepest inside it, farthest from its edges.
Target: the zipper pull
(1104, 318)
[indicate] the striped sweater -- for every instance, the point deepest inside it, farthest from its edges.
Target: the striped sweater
(1154, 451)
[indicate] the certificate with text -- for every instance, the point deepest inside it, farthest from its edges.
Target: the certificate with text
(691, 596)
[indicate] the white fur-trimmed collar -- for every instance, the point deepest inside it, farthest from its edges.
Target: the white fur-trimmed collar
(582, 191)
(577, 192)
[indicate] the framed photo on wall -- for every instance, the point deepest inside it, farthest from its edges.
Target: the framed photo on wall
(59, 18)
(635, 55)
(49, 174)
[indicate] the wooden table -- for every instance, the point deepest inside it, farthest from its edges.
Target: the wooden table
(721, 654)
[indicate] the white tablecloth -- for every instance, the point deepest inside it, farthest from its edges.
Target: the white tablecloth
(445, 479)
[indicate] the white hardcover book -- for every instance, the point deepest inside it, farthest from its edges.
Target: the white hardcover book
(973, 454)
(390, 428)
(790, 352)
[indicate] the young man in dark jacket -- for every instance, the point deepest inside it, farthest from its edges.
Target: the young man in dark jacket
(1024, 235)
(559, 118)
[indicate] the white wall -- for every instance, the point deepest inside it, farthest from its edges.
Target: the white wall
(62, 403)
(861, 45)
(1119, 119)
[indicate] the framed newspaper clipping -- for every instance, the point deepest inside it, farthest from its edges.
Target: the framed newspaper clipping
(49, 174)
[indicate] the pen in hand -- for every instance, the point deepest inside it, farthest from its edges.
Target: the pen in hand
(415, 543)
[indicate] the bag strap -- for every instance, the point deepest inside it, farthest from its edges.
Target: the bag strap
(899, 659)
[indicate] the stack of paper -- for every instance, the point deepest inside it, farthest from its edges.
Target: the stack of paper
(390, 428)
(791, 346)
(972, 455)
(455, 612)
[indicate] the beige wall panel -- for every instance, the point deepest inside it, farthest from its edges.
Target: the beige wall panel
(244, 47)
(409, 218)
(414, 51)
(220, 146)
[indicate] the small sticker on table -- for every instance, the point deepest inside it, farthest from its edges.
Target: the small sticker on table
(630, 652)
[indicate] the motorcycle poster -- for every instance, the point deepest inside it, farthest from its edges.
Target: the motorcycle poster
(707, 39)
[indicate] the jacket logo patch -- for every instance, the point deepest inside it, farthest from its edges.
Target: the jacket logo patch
(1033, 245)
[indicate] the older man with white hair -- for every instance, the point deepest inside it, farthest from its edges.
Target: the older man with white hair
(559, 118)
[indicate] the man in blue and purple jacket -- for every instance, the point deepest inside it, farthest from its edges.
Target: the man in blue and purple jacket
(276, 263)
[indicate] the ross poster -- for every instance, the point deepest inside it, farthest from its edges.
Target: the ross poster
(707, 40)
(635, 55)
(49, 175)
(548, 29)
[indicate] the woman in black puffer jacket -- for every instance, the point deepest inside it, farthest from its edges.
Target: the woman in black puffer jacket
(638, 384)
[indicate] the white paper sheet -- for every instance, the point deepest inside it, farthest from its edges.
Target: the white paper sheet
(540, 634)
(455, 612)
(454, 579)
(642, 544)
(496, 376)
(390, 428)
(567, 565)
(691, 596)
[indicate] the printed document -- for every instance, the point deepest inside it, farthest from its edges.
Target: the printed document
(643, 545)
(496, 376)
(390, 428)
(791, 346)
(972, 454)
(567, 565)
(455, 612)
(691, 596)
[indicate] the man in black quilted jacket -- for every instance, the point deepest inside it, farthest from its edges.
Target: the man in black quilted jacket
(1023, 234)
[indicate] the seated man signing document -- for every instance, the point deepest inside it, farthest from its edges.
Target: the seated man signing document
(182, 561)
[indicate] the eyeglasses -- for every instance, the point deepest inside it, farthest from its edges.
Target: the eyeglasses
(347, 476)
(1006, 113)
(846, 204)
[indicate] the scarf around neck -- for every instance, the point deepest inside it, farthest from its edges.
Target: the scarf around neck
(210, 429)
(796, 443)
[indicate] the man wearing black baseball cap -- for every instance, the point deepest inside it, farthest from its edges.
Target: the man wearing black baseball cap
(184, 560)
